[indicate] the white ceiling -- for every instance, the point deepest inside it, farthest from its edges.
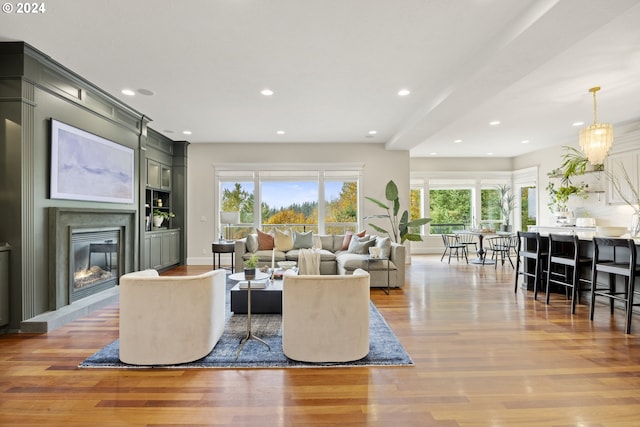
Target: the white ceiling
(336, 66)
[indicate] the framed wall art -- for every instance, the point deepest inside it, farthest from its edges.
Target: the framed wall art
(87, 167)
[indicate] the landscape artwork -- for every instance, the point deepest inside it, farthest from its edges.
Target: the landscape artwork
(85, 166)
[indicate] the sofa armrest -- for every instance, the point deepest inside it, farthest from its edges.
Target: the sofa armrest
(398, 257)
(240, 250)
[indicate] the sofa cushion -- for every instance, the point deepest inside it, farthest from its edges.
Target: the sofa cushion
(384, 243)
(302, 240)
(265, 241)
(283, 241)
(252, 243)
(327, 242)
(347, 239)
(351, 262)
(325, 255)
(361, 245)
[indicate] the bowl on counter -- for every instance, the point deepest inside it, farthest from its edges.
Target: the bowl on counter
(610, 231)
(585, 222)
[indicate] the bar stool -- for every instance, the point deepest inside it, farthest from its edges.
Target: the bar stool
(564, 251)
(537, 252)
(623, 266)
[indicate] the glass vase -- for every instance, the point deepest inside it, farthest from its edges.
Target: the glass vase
(634, 230)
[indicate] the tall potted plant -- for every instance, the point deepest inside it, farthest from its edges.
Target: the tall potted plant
(400, 226)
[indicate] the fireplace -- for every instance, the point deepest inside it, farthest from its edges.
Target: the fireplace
(95, 259)
(89, 250)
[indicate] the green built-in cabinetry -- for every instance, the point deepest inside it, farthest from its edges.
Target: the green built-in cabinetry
(161, 246)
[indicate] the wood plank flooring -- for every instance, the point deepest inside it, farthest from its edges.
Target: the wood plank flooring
(483, 355)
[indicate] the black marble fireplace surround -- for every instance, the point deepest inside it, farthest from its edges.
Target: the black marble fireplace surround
(106, 224)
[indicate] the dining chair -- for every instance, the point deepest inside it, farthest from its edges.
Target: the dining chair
(452, 244)
(499, 248)
(607, 258)
(467, 239)
(565, 265)
(532, 248)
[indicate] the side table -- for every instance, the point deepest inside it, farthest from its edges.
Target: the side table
(371, 259)
(238, 277)
(223, 248)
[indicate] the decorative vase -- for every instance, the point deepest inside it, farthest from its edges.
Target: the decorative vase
(634, 230)
(157, 221)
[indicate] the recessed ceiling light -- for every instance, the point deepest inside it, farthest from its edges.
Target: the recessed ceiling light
(577, 123)
(404, 92)
(433, 154)
(186, 132)
(457, 141)
(266, 92)
(146, 92)
(373, 132)
(489, 154)
(525, 141)
(280, 132)
(128, 92)
(494, 123)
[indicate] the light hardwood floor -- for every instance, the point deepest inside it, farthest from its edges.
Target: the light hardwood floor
(483, 355)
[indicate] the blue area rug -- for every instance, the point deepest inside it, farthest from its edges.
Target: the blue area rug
(384, 347)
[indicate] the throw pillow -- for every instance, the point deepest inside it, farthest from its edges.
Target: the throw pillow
(347, 239)
(252, 243)
(283, 241)
(265, 241)
(361, 245)
(384, 243)
(302, 240)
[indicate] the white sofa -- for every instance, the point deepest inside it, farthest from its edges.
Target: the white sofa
(170, 319)
(325, 318)
(333, 259)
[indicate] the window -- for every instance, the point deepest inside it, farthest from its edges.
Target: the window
(288, 203)
(322, 201)
(415, 208)
(528, 202)
(238, 197)
(341, 206)
(490, 206)
(450, 210)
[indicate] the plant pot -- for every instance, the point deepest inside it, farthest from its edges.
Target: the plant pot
(250, 273)
(157, 221)
(506, 228)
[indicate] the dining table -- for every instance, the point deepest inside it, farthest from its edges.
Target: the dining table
(482, 253)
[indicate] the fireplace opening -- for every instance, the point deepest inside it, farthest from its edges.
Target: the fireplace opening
(95, 258)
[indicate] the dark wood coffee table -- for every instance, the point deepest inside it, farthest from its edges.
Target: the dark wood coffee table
(263, 301)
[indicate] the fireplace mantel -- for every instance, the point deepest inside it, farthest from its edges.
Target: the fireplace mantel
(61, 222)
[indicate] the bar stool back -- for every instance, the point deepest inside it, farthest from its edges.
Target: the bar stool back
(615, 264)
(531, 246)
(564, 251)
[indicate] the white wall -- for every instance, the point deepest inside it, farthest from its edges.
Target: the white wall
(379, 166)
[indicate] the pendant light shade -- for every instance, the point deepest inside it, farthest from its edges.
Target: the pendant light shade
(596, 139)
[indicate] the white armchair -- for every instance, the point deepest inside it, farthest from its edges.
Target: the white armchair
(325, 318)
(170, 319)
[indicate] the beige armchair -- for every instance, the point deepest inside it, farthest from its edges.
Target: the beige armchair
(325, 318)
(170, 319)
